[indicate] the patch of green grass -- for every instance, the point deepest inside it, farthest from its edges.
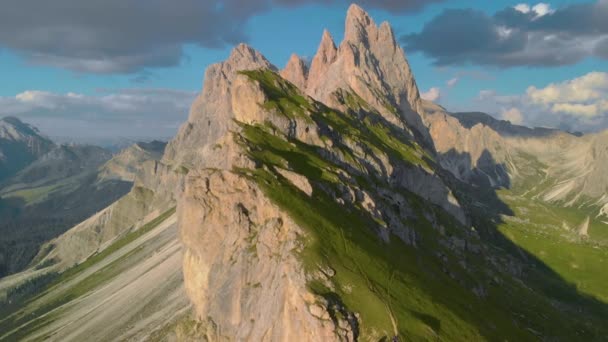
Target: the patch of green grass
(371, 131)
(283, 96)
(276, 151)
(549, 232)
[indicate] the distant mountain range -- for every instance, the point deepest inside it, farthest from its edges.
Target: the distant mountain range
(47, 188)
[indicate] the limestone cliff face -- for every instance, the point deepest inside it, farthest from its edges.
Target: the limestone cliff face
(240, 269)
(326, 55)
(472, 154)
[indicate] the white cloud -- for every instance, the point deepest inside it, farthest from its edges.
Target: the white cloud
(452, 82)
(583, 96)
(539, 10)
(513, 115)
(542, 9)
(504, 32)
(523, 8)
(577, 109)
(591, 86)
(579, 104)
(109, 114)
(432, 94)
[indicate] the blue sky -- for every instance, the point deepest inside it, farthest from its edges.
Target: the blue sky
(277, 31)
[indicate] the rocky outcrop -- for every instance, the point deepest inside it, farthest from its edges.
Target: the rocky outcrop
(477, 148)
(476, 154)
(239, 268)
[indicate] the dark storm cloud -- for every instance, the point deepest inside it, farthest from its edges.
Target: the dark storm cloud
(123, 36)
(514, 37)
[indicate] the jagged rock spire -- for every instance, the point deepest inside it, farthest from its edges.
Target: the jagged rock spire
(358, 25)
(369, 62)
(326, 55)
(296, 72)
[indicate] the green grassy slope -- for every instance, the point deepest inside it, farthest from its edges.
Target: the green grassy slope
(419, 292)
(550, 232)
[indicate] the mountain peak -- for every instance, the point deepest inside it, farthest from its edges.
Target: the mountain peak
(12, 128)
(327, 43)
(356, 13)
(296, 71)
(370, 63)
(359, 25)
(325, 56)
(245, 56)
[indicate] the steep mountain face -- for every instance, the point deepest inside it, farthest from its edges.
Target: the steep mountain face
(20, 144)
(329, 203)
(124, 256)
(132, 289)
